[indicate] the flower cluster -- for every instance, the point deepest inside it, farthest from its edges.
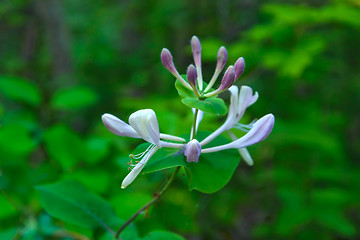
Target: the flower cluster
(143, 123)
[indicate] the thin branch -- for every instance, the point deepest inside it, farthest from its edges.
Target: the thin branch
(146, 206)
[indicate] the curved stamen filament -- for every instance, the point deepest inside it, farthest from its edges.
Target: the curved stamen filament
(140, 155)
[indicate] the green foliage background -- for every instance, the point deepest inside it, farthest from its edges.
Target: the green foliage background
(65, 63)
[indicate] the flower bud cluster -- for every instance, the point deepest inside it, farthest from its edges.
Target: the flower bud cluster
(194, 73)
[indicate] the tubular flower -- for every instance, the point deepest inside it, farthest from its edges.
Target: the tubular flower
(143, 124)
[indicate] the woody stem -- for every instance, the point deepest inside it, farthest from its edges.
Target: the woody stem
(151, 202)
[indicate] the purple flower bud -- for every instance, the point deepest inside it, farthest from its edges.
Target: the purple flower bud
(221, 58)
(191, 75)
(192, 151)
(196, 50)
(239, 67)
(228, 79)
(167, 61)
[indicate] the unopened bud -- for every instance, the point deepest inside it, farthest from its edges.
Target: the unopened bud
(167, 61)
(192, 151)
(221, 58)
(239, 67)
(228, 79)
(192, 75)
(196, 50)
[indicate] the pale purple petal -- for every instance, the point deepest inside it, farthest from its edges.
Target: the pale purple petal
(221, 58)
(196, 50)
(260, 130)
(167, 61)
(191, 75)
(228, 79)
(239, 67)
(118, 127)
(192, 151)
(146, 125)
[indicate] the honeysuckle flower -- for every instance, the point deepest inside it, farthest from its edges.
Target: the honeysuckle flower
(244, 153)
(143, 124)
(226, 82)
(118, 127)
(239, 102)
(167, 61)
(192, 151)
(221, 61)
(239, 67)
(191, 77)
(196, 50)
(259, 131)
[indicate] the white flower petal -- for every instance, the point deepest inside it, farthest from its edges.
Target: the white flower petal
(137, 169)
(118, 127)
(146, 125)
(246, 156)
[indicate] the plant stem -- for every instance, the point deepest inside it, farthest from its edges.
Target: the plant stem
(152, 201)
(194, 124)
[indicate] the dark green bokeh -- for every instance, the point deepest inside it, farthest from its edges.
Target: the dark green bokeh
(65, 63)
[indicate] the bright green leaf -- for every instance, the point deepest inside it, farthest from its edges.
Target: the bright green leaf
(20, 89)
(74, 98)
(6, 209)
(210, 105)
(182, 90)
(15, 139)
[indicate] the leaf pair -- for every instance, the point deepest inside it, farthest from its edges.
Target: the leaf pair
(212, 105)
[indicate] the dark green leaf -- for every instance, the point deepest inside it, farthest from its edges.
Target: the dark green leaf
(73, 203)
(163, 158)
(162, 235)
(214, 170)
(64, 145)
(210, 174)
(8, 234)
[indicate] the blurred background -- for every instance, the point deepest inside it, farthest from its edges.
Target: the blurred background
(65, 63)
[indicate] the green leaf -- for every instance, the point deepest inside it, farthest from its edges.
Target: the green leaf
(209, 175)
(74, 98)
(182, 90)
(72, 202)
(164, 158)
(6, 210)
(15, 139)
(162, 235)
(214, 170)
(64, 145)
(8, 233)
(20, 89)
(210, 105)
